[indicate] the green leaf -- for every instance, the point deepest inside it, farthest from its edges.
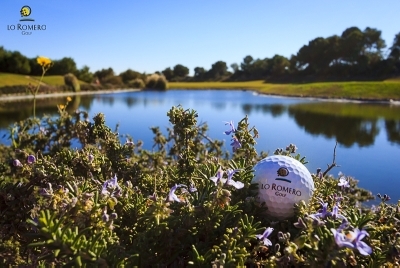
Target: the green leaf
(300, 241)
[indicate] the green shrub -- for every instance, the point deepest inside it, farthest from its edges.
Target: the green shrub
(136, 83)
(156, 81)
(90, 87)
(113, 204)
(71, 81)
(113, 80)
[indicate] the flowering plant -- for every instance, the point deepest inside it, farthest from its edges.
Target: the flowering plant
(184, 203)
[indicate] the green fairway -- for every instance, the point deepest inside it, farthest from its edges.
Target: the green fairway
(8, 79)
(376, 90)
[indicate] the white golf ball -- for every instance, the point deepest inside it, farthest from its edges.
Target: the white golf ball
(282, 182)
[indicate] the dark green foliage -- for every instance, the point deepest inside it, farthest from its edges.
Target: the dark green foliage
(104, 73)
(71, 81)
(113, 80)
(156, 81)
(136, 83)
(13, 62)
(62, 67)
(395, 48)
(177, 73)
(218, 70)
(199, 73)
(130, 75)
(65, 209)
(84, 74)
(354, 54)
(168, 73)
(180, 70)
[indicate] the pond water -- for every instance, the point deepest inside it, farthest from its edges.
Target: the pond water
(368, 134)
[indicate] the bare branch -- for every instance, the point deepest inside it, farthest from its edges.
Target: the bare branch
(333, 162)
(206, 137)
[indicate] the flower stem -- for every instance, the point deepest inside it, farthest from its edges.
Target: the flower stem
(35, 93)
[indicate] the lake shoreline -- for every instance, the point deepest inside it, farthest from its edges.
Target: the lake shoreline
(64, 94)
(352, 91)
(331, 99)
(11, 98)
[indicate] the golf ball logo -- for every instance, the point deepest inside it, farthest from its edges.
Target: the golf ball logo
(283, 172)
(283, 181)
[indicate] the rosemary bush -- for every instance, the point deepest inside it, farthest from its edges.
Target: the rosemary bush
(185, 203)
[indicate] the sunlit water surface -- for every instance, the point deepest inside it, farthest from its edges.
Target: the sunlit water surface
(368, 134)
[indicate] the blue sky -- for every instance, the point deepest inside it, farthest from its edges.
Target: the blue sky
(150, 35)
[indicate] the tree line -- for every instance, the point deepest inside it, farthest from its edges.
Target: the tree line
(354, 55)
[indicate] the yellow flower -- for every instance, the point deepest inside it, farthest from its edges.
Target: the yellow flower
(43, 61)
(69, 99)
(61, 107)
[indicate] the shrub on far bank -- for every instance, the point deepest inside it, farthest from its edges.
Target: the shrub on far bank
(156, 81)
(71, 81)
(113, 80)
(90, 87)
(136, 83)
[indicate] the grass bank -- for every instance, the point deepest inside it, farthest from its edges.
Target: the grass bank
(16, 85)
(379, 90)
(7, 79)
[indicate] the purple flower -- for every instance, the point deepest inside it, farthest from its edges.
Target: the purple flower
(153, 197)
(343, 183)
(322, 213)
(235, 144)
(232, 128)
(74, 200)
(353, 240)
(31, 159)
(343, 225)
(230, 181)
(45, 192)
(218, 177)
(192, 188)
(338, 198)
(129, 143)
(113, 184)
(320, 175)
(374, 209)
(335, 213)
(265, 235)
(105, 217)
(341, 240)
(172, 196)
(91, 158)
(17, 163)
(104, 190)
(43, 130)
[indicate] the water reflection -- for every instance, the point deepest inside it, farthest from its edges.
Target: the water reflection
(14, 111)
(367, 133)
(348, 123)
(274, 109)
(130, 101)
(393, 130)
(346, 130)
